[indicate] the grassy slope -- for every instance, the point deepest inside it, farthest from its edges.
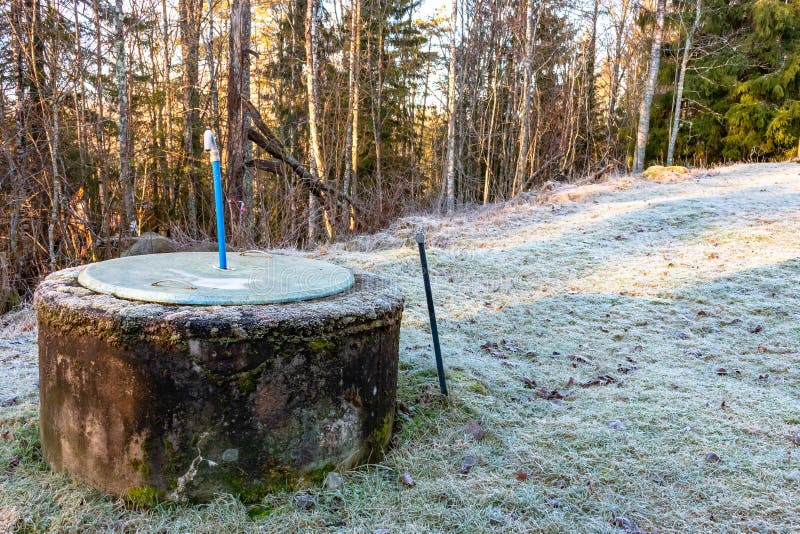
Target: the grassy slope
(656, 285)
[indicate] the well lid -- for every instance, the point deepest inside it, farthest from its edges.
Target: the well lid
(252, 277)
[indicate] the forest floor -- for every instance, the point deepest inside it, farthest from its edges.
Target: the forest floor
(626, 363)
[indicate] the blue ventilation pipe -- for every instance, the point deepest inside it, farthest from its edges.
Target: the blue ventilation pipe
(210, 146)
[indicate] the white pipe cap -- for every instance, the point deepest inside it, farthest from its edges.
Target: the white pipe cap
(209, 143)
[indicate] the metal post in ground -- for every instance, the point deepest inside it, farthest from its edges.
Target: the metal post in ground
(432, 313)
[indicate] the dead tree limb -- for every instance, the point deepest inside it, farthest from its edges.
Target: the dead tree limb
(262, 135)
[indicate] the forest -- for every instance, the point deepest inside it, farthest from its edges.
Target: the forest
(337, 117)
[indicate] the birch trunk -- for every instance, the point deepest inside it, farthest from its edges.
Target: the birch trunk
(649, 88)
(315, 157)
(351, 141)
(450, 175)
(525, 113)
(676, 118)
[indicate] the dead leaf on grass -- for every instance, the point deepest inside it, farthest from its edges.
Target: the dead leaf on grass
(529, 382)
(602, 380)
(474, 429)
(548, 394)
(523, 473)
(581, 359)
(756, 329)
(712, 458)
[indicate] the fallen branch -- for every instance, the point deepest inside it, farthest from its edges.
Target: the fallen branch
(262, 136)
(540, 171)
(602, 172)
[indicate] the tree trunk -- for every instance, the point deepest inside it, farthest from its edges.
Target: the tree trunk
(213, 87)
(676, 118)
(525, 113)
(102, 177)
(189, 23)
(649, 88)
(351, 141)
(121, 74)
(317, 164)
(237, 64)
(450, 175)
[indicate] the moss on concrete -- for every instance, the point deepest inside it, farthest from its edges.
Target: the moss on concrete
(144, 497)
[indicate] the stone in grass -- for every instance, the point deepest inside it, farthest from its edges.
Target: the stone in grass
(616, 425)
(150, 243)
(304, 501)
(626, 525)
(407, 480)
(796, 439)
(333, 480)
(712, 458)
(467, 464)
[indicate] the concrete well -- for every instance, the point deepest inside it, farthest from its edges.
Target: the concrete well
(181, 402)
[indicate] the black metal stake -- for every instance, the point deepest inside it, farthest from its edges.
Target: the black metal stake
(434, 330)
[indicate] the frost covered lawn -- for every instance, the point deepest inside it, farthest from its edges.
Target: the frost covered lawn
(632, 361)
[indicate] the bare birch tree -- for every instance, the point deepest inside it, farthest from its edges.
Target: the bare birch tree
(317, 164)
(687, 50)
(450, 174)
(649, 87)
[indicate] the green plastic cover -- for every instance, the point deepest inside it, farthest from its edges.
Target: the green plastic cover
(252, 277)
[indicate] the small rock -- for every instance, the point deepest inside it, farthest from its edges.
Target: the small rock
(10, 401)
(467, 464)
(616, 425)
(796, 439)
(721, 371)
(14, 461)
(474, 429)
(407, 480)
(333, 480)
(627, 525)
(495, 522)
(150, 243)
(712, 457)
(304, 501)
